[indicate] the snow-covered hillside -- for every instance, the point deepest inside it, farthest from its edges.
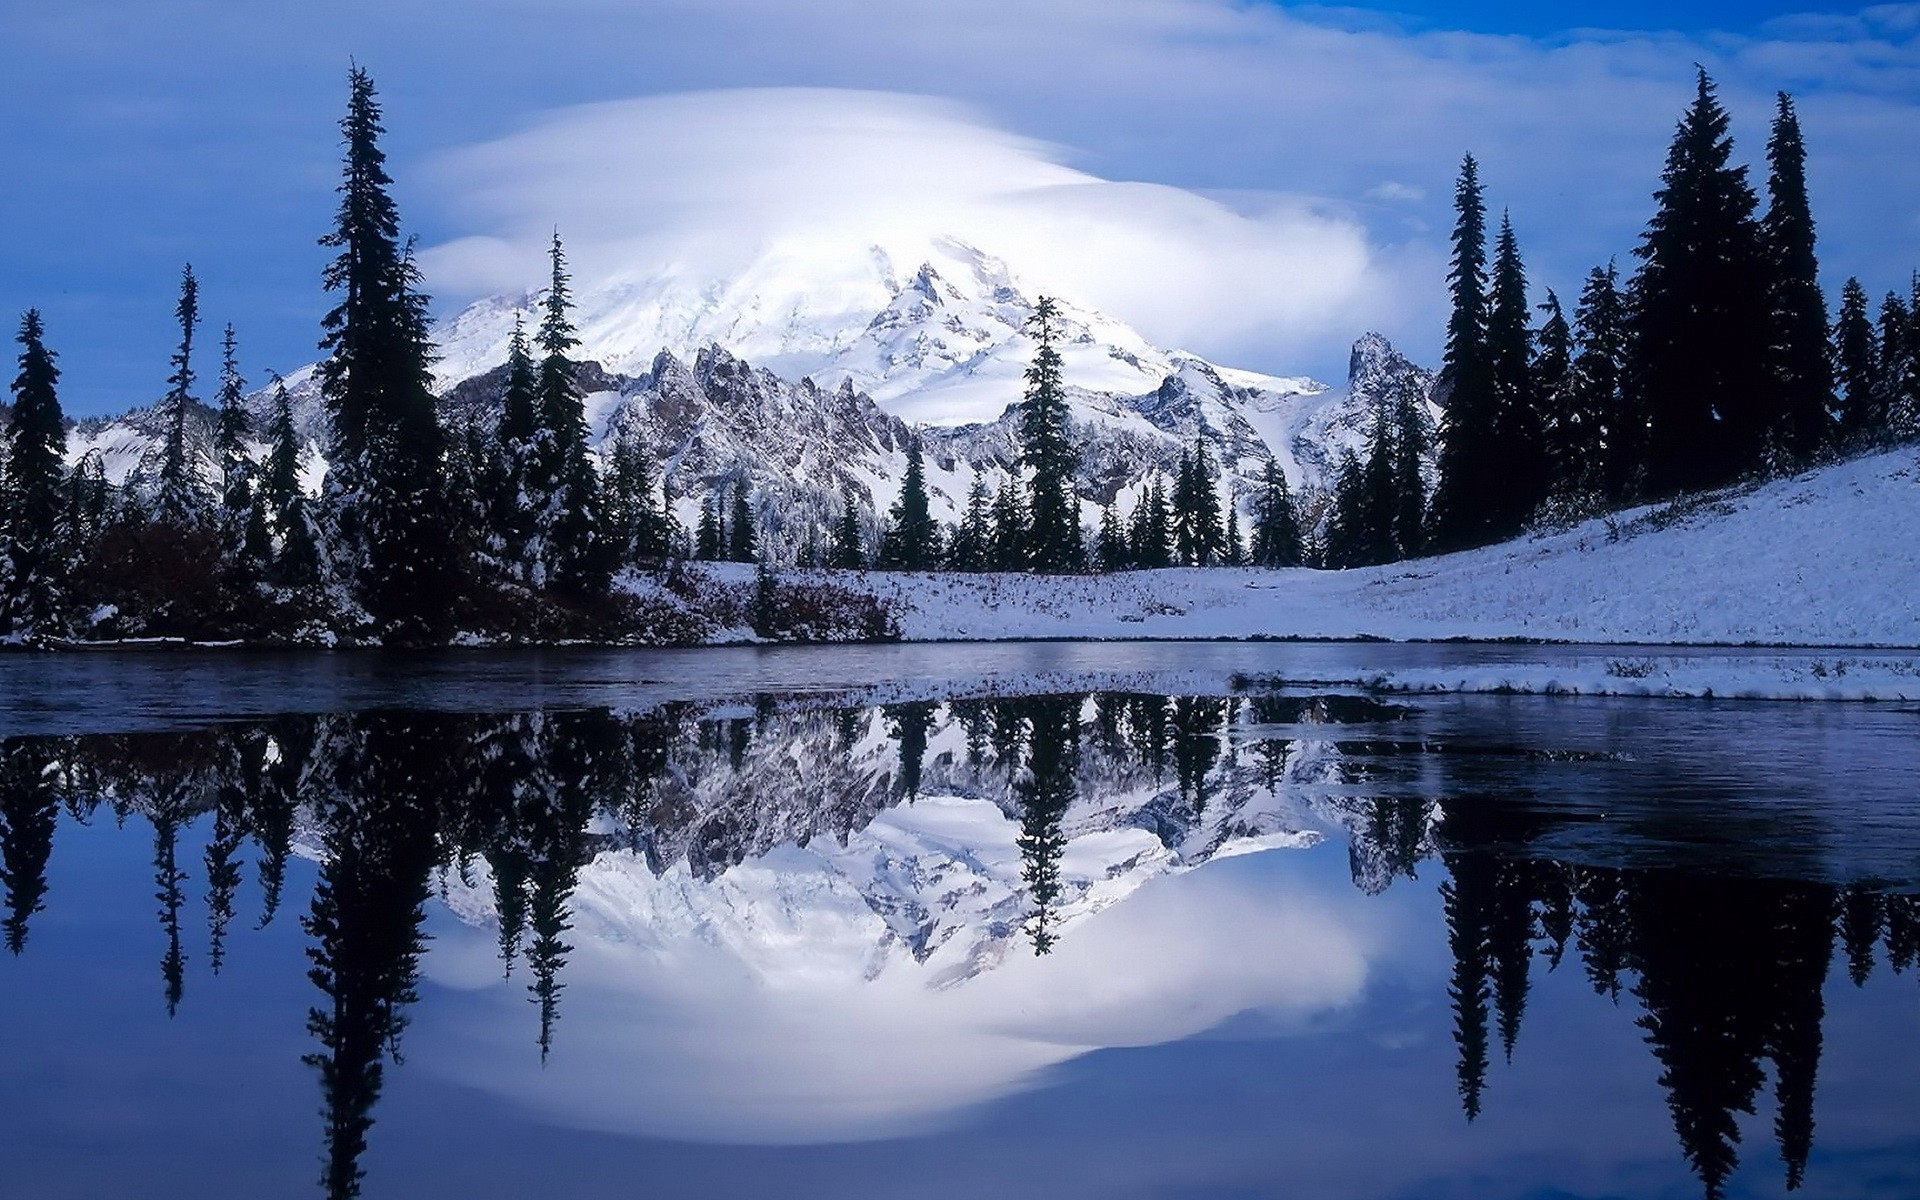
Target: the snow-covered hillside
(1827, 558)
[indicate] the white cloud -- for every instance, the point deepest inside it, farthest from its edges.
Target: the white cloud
(702, 184)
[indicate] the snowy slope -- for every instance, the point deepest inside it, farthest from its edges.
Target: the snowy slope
(1828, 558)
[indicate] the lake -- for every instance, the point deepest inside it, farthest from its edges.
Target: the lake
(1109, 920)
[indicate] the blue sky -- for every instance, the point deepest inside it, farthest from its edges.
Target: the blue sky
(146, 136)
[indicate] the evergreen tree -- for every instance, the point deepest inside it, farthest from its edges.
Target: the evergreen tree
(1380, 494)
(1185, 544)
(89, 504)
(243, 523)
(1518, 444)
(1857, 357)
(1235, 554)
(1596, 413)
(742, 544)
(1802, 369)
(1010, 530)
(1464, 504)
(1111, 552)
(516, 509)
(1346, 530)
(1053, 507)
(568, 510)
(1411, 436)
(177, 498)
(384, 479)
(708, 540)
(1701, 314)
(1150, 537)
(1209, 536)
(1565, 438)
(909, 541)
(1276, 527)
(296, 560)
(972, 545)
(636, 528)
(847, 554)
(32, 504)
(1899, 363)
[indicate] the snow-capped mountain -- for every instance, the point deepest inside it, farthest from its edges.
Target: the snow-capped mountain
(806, 380)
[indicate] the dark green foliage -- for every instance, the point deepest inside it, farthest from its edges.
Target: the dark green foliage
(243, 525)
(387, 508)
(1010, 530)
(29, 812)
(1701, 315)
(1053, 509)
(1899, 359)
(707, 536)
(635, 528)
(517, 504)
(34, 500)
(1110, 554)
(1150, 529)
(1276, 526)
(910, 541)
(564, 489)
(1519, 446)
(971, 548)
(847, 553)
(1469, 465)
(1045, 790)
(1565, 437)
(177, 496)
(1857, 359)
(742, 542)
(1347, 540)
(1596, 417)
(1411, 437)
(1200, 539)
(1802, 371)
(296, 558)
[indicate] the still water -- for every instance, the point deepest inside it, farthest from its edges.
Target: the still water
(1072, 921)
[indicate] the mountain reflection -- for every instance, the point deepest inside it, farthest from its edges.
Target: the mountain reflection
(1725, 969)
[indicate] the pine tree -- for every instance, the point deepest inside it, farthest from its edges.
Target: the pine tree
(1276, 527)
(1186, 544)
(1701, 317)
(1469, 468)
(971, 548)
(1565, 438)
(1054, 507)
(1518, 443)
(296, 562)
(1010, 531)
(634, 528)
(1856, 353)
(847, 554)
(32, 503)
(708, 540)
(742, 542)
(1346, 530)
(177, 498)
(1596, 409)
(1380, 495)
(1411, 438)
(1235, 554)
(1209, 536)
(908, 544)
(384, 479)
(1802, 371)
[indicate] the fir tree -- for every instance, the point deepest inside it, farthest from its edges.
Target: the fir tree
(1276, 527)
(1899, 363)
(1701, 315)
(1857, 361)
(33, 501)
(707, 537)
(1053, 506)
(1856, 352)
(1209, 536)
(1411, 436)
(1801, 367)
(1150, 537)
(296, 559)
(1596, 411)
(516, 509)
(1010, 530)
(384, 479)
(1518, 444)
(1564, 436)
(242, 521)
(909, 541)
(176, 490)
(1346, 530)
(847, 554)
(1469, 467)
(634, 528)
(971, 548)
(1235, 554)
(569, 506)
(1111, 552)
(742, 543)
(1380, 495)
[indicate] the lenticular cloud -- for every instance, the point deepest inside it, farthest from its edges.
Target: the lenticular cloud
(705, 183)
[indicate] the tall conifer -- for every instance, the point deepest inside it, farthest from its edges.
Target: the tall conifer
(1053, 508)
(1857, 359)
(32, 503)
(1802, 370)
(177, 499)
(570, 504)
(1469, 468)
